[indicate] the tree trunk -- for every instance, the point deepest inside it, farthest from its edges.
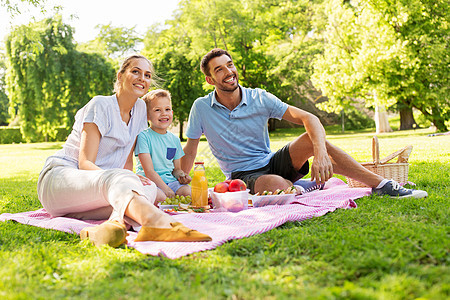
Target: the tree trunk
(440, 125)
(272, 125)
(381, 120)
(407, 118)
(180, 134)
(437, 120)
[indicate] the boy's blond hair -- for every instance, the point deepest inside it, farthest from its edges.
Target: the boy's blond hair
(152, 95)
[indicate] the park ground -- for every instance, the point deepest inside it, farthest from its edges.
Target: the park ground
(384, 249)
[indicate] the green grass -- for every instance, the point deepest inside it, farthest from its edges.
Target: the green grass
(384, 249)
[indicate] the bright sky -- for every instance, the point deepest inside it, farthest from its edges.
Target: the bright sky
(120, 13)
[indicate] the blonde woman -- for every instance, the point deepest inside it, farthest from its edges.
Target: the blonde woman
(92, 178)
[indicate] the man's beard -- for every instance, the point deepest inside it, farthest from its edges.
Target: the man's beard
(225, 88)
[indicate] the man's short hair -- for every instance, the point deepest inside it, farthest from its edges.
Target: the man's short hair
(216, 52)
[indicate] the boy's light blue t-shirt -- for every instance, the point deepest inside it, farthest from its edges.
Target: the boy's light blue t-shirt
(239, 139)
(163, 149)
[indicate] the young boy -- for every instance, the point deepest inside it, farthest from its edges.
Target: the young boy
(158, 151)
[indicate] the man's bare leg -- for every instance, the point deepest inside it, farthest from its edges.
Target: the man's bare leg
(271, 182)
(301, 150)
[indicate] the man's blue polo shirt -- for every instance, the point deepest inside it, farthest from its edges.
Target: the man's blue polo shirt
(239, 139)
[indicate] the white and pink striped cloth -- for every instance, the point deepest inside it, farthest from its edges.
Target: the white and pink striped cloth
(223, 226)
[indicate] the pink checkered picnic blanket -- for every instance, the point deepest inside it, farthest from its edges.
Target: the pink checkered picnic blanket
(223, 226)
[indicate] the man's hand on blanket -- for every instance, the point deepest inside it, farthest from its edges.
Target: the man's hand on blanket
(321, 168)
(299, 190)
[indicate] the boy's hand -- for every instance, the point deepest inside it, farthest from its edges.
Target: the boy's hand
(169, 193)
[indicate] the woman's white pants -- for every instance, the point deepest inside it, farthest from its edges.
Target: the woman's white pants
(66, 190)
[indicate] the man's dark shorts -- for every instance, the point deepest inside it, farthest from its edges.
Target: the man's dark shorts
(279, 164)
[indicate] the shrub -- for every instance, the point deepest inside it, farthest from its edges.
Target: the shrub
(356, 120)
(61, 134)
(10, 135)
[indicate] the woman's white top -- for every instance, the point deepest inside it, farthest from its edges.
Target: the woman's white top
(117, 138)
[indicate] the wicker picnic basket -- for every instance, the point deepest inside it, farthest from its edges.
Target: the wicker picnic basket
(397, 171)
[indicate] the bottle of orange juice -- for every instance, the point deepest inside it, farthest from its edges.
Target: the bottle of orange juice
(199, 186)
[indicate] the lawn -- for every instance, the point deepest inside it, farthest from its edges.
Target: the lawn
(384, 249)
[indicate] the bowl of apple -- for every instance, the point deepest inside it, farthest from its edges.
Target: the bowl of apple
(229, 196)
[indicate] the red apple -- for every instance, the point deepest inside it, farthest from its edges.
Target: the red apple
(228, 181)
(221, 187)
(237, 185)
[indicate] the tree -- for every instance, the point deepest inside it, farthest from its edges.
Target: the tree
(229, 25)
(48, 80)
(291, 41)
(13, 6)
(387, 53)
(182, 80)
(273, 44)
(177, 69)
(177, 49)
(423, 27)
(114, 42)
(250, 30)
(34, 82)
(4, 100)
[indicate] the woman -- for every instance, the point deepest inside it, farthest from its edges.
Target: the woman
(91, 177)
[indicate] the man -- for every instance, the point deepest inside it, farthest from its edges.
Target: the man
(234, 121)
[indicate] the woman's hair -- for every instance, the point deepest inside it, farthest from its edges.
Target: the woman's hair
(126, 64)
(216, 52)
(152, 95)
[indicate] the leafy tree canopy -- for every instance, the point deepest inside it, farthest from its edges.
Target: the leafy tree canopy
(113, 42)
(48, 80)
(13, 6)
(382, 52)
(4, 100)
(387, 52)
